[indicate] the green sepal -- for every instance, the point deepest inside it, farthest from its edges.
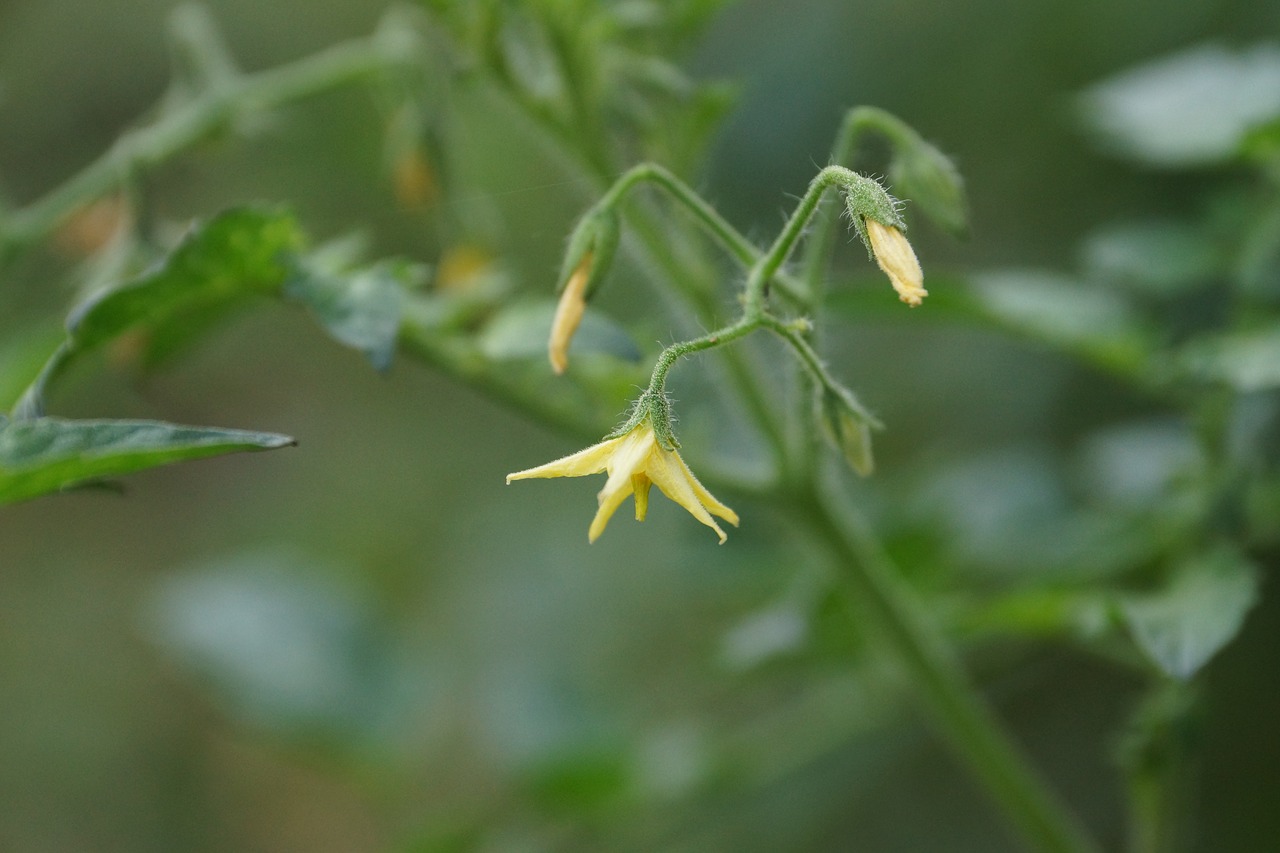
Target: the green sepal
(655, 407)
(598, 233)
(867, 198)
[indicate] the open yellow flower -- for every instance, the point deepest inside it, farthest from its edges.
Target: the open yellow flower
(634, 461)
(898, 260)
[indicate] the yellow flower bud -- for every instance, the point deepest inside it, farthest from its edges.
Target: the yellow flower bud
(896, 257)
(573, 302)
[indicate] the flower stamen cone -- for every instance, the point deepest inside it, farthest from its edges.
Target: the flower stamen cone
(898, 260)
(635, 461)
(569, 311)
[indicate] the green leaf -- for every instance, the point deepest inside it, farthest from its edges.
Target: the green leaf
(521, 331)
(1181, 627)
(1161, 258)
(238, 252)
(283, 646)
(1059, 311)
(1191, 109)
(362, 309)
(44, 455)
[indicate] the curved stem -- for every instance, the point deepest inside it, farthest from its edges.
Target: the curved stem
(673, 353)
(956, 707)
(742, 250)
(766, 268)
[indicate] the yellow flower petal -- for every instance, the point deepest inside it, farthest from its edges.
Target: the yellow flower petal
(705, 497)
(641, 483)
(592, 460)
(898, 260)
(667, 471)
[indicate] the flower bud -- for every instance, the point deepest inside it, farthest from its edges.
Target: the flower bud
(847, 427)
(895, 256)
(569, 311)
(590, 251)
(925, 175)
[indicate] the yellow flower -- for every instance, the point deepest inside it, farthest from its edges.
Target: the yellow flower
(569, 311)
(635, 461)
(898, 260)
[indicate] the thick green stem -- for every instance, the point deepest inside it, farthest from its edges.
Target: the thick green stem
(956, 707)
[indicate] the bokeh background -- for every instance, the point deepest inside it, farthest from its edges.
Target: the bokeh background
(370, 643)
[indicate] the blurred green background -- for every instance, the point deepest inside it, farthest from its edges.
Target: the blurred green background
(370, 643)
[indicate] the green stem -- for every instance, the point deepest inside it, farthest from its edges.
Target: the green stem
(729, 238)
(957, 708)
(673, 353)
(182, 126)
(766, 268)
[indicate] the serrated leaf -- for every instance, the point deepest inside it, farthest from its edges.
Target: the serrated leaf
(238, 252)
(1181, 627)
(44, 455)
(1191, 109)
(234, 255)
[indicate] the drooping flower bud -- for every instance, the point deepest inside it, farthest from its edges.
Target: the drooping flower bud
(587, 258)
(876, 218)
(847, 427)
(925, 175)
(569, 311)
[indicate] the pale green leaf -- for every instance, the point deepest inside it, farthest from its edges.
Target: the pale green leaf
(1161, 258)
(1247, 361)
(1191, 109)
(521, 332)
(361, 309)
(1181, 627)
(1066, 314)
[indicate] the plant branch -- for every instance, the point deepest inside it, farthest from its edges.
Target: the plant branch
(957, 708)
(182, 124)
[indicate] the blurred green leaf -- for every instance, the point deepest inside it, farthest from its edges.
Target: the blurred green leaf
(1191, 109)
(236, 254)
(1160, 258)
(281, 645)
(580, 780)
(1247, 361)
(520, 331)
(1063, 313)
(1181, 627)
(362, 308)
(239, 252)
(45, 455)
